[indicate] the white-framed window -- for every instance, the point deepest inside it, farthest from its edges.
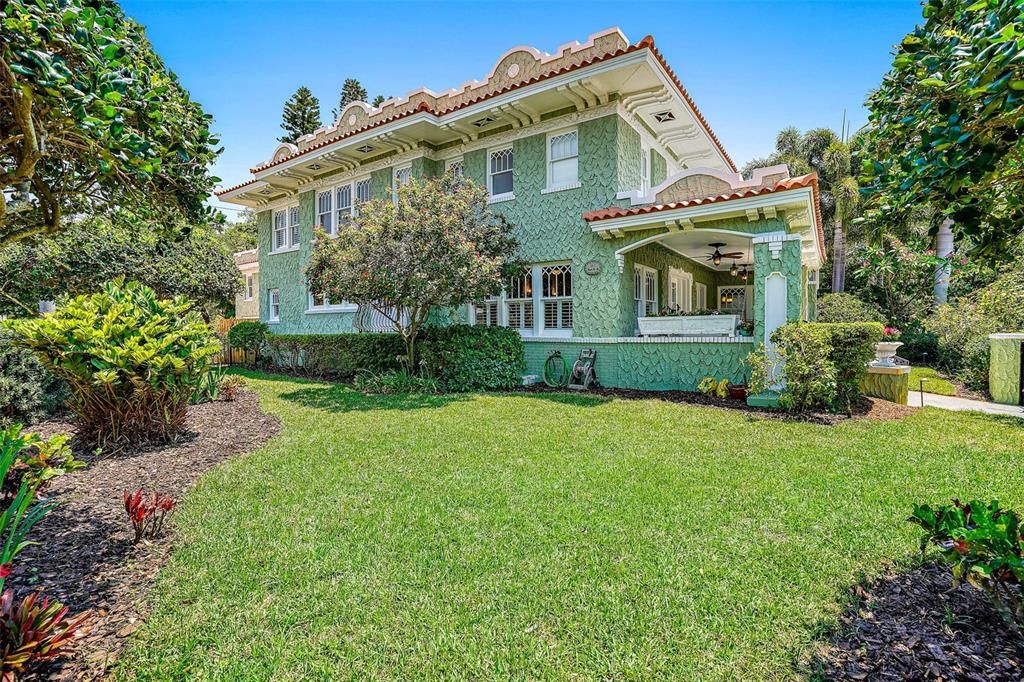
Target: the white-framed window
(645, 290)
(274, 305)
(519, 300)
(680, 290)
(286, 224)
(563, 160)
(343, 204)
(320, 303)
(250, 284)
(645, 169)
(702, 296)
(499, 174)
(485, 312)
(294, 222)
(401, 177)
(456, 167)
(362, 192)
(556, 295)
(325, 211)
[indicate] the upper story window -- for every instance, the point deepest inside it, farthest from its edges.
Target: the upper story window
(456, 167)
(286, 229)
(563, 160)
(325, 211)
(250, 286)
(362, 194)
(403, 176)
(499, 174)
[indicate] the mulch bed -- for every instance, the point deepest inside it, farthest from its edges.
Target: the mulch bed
(916, 626)
(869, 408)
(85, 557)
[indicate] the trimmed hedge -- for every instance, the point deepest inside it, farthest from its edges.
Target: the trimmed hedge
(340, 356)
(466, 358)
(825, 362)
(844, 307)
(458, 357)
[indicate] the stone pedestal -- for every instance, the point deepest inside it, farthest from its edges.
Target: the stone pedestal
(887, 383)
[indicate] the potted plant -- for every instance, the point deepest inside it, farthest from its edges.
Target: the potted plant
(745, 328)
(885, 350)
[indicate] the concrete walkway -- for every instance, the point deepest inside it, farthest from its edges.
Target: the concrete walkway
(952, 403)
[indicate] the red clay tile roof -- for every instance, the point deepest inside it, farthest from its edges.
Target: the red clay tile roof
(240, 185)
(809, 180)
(647, 43)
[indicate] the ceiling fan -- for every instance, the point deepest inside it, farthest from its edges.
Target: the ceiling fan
(717, 256)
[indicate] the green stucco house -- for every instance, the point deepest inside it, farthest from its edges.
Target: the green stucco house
(624, 203)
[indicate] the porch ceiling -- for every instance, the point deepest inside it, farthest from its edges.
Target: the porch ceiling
(695, 245)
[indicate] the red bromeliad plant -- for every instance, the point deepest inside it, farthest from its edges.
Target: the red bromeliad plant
(32, 630)
(147, 513)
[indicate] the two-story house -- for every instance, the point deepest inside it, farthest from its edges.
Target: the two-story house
(623, 200)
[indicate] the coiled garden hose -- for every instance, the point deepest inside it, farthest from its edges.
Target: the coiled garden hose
(556, 370)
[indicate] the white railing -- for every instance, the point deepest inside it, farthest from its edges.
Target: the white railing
(369, 319)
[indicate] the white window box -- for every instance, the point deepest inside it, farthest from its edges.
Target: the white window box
(561, 188)
(691, 325)
(341, 308)
(498, 198)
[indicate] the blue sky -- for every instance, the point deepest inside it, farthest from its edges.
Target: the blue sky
(752, 67)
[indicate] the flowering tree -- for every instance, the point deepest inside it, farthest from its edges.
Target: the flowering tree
(437, 246)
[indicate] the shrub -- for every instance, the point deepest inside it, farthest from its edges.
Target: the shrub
(230, 386)
(985, 547)
(249, 336)
(27, 391)
(32, 631)
(467, 358)
(962, 327)
(843, 307)
(23, 511)
(36, 460)
(147, 513)
(919, 345)
(707, 385)
(395, 382)
(340, 356)
(207, 388)
(131, 361)
(823, 363)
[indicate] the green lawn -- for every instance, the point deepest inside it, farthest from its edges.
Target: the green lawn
(937, 383)
(544, 537)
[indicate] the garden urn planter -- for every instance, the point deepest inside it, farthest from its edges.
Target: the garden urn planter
(738, 391)
(885, 353)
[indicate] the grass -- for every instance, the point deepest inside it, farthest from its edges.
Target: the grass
(937, 383)
(544, 537)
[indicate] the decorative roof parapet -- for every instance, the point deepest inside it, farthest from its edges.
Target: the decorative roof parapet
(518, 67)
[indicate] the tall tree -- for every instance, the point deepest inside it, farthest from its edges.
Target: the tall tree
(946, 123)
(378, 100)
(439, 245)
(301, 115)
(351, 91)
(90, 118)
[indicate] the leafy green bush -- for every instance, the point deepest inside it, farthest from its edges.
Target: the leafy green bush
(823, 363)
(962, 327)
(131, 361)
(341, 356)
(394, 382)
(207, 387)
(248, 336)
(37, 460)
(985, 547)
(27, 391)
(919, 344)
(467, 358)
(845, 307)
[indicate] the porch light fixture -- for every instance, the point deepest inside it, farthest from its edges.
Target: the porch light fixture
(733, 270)
(717, 258)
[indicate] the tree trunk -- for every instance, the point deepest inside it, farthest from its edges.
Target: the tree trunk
(838, 259)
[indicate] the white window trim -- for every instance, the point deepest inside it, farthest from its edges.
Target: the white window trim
(550, 188)
(644, 270)
(645, 168)
(700, 292)
(686, 293)
(271, 319)
(394, 178)
(333, 212)
(286, 210)
(537, 330)
(351, 184)
(312, 308)
(456, 160)
(493, 198)
(250, 286)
